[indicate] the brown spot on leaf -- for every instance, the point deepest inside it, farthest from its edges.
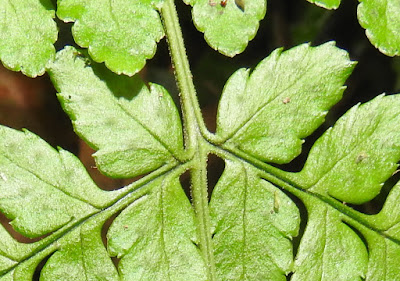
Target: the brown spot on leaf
(361, 157)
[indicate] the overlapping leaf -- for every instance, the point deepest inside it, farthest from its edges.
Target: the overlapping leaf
(134, 130)
(46, 190)
(162, 210)
(121, 33)
(152, 237)
(330, 247)
(383, 240)
(27, 28)
(10, 251)
(228, 25)
(41, 191)
(81, 256)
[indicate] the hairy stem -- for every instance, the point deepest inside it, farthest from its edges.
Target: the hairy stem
(200, 202)
(190, 107)
(193, 126)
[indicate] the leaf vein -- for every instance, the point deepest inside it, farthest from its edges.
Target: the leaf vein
(355, 145)
(245, 124)
(48, 183)
(158, 139)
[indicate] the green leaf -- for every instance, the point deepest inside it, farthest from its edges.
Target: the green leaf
(352, 160)
(384, 252)
(82, 257)
(246, 231)
(383, 258)
(228, 25)
(254, 222)
(134, 130)
(329, 249)
(268, 113)
(389, 217)
(327, 4)
(9, 251)
(27, 35)
(43, 189)
(155, 237)
(381, 19)
(121, 33)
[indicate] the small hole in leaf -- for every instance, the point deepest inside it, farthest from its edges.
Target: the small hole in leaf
(215, 168)
(115, 261)
(184, 179)
(194, 243)
(240, 4)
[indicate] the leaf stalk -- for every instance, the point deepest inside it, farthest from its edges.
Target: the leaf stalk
(194, 128)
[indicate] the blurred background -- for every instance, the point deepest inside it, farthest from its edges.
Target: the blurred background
(32, 103)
